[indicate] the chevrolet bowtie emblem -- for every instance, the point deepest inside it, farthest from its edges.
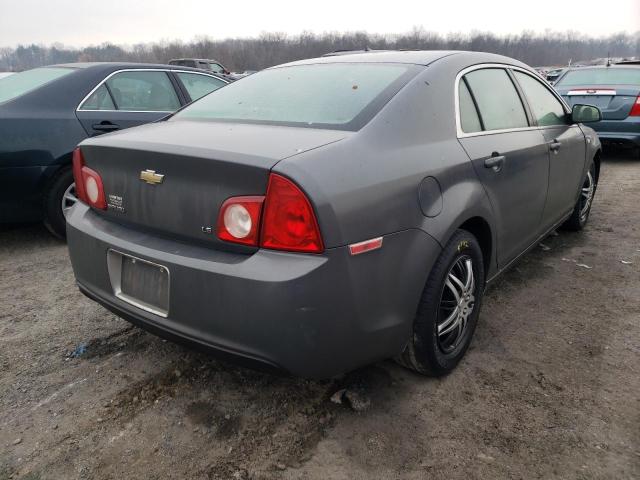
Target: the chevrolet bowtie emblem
(151, 177)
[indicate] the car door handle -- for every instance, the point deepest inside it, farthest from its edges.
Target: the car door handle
(105, 127)
(554, 145)
(495, 162)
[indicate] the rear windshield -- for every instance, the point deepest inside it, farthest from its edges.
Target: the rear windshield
(15, 85)
(601, 76)
(338, 95)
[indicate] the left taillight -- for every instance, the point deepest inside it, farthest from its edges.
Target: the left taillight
(89, 187)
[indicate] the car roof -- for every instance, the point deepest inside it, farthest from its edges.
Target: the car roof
(121, 65)
(194, 59)
(411, 57)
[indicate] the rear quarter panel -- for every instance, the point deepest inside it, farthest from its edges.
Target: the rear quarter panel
(368, 185)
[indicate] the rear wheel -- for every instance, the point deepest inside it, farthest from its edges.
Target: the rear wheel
(580, 214)
(59, 197)
(448, 310)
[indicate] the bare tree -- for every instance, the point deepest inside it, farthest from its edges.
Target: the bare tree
(272, 48)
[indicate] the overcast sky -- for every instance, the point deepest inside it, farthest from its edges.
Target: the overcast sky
(83, 22)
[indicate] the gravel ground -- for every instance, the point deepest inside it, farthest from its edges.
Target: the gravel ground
(549, 389)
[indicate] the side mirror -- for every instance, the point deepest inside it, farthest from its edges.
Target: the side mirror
(585, 114)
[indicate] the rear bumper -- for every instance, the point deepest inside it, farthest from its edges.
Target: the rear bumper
(625, 131)
(311, 315)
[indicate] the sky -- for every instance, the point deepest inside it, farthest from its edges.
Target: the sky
(89, 22)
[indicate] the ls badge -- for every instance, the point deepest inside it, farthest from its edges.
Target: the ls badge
(151, 177)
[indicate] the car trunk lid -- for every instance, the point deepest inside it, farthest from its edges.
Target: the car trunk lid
(172, 177)
(614, 101)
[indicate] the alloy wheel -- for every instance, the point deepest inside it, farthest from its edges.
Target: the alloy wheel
(456, 304)
(586, 196)
(69, 199)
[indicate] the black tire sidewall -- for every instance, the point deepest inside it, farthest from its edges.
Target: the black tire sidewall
(426, 347)
(592, 170)
(574, 222)
(53, 215)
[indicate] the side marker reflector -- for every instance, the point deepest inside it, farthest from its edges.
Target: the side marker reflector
(366, 246)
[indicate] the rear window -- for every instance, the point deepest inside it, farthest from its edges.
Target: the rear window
(601, 76)
(15, 85)
(338, 95)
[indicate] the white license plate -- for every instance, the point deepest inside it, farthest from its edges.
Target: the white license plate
(139, 282)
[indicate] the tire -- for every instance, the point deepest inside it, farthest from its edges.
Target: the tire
(59, 185)
(427, 352)
(580, 215)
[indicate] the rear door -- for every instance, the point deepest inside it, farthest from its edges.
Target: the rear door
(566, 146)
(128, 98)
(509, 155)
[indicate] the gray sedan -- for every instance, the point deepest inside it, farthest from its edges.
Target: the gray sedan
(324, 214)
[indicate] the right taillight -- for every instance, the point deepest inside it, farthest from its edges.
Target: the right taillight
(289, 222)
(89, 187)
(239, 220)
(635, 110)
(282, 220)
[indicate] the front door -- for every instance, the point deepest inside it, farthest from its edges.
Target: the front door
(509, 156)
(566, 145)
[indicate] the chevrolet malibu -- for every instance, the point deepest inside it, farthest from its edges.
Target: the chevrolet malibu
(324, 214)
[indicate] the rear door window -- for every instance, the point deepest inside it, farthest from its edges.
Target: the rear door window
(150, 91)
(216, 68)
(99, 100)
(197, 85)
(546, 108)
(20, 83)
(469, 119)
(499, 104)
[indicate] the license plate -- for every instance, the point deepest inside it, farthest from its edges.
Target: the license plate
(139, 282)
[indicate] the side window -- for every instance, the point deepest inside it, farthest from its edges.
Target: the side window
(498, 101)
(545, 107)
(99, 100)
(216, 68)
(469, 119)
(143, 91)
(199, 85)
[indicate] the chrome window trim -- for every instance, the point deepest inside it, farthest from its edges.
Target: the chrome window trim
(166, 70)
(503, 66)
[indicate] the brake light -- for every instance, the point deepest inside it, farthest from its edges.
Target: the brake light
(89, 188)
(635, 110)
(289, 222)
(239, 220)
(78, 163)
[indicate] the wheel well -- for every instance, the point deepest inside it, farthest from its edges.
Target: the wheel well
(480, 229)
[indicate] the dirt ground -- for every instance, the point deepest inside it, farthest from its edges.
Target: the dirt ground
(549, 389)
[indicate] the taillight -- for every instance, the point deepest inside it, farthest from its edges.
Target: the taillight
(239, 220)
(89, 188)
(282, 220)
(78, 163)
(288, 221)
(635, 110)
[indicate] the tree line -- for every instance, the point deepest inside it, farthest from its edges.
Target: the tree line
(239, 54)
